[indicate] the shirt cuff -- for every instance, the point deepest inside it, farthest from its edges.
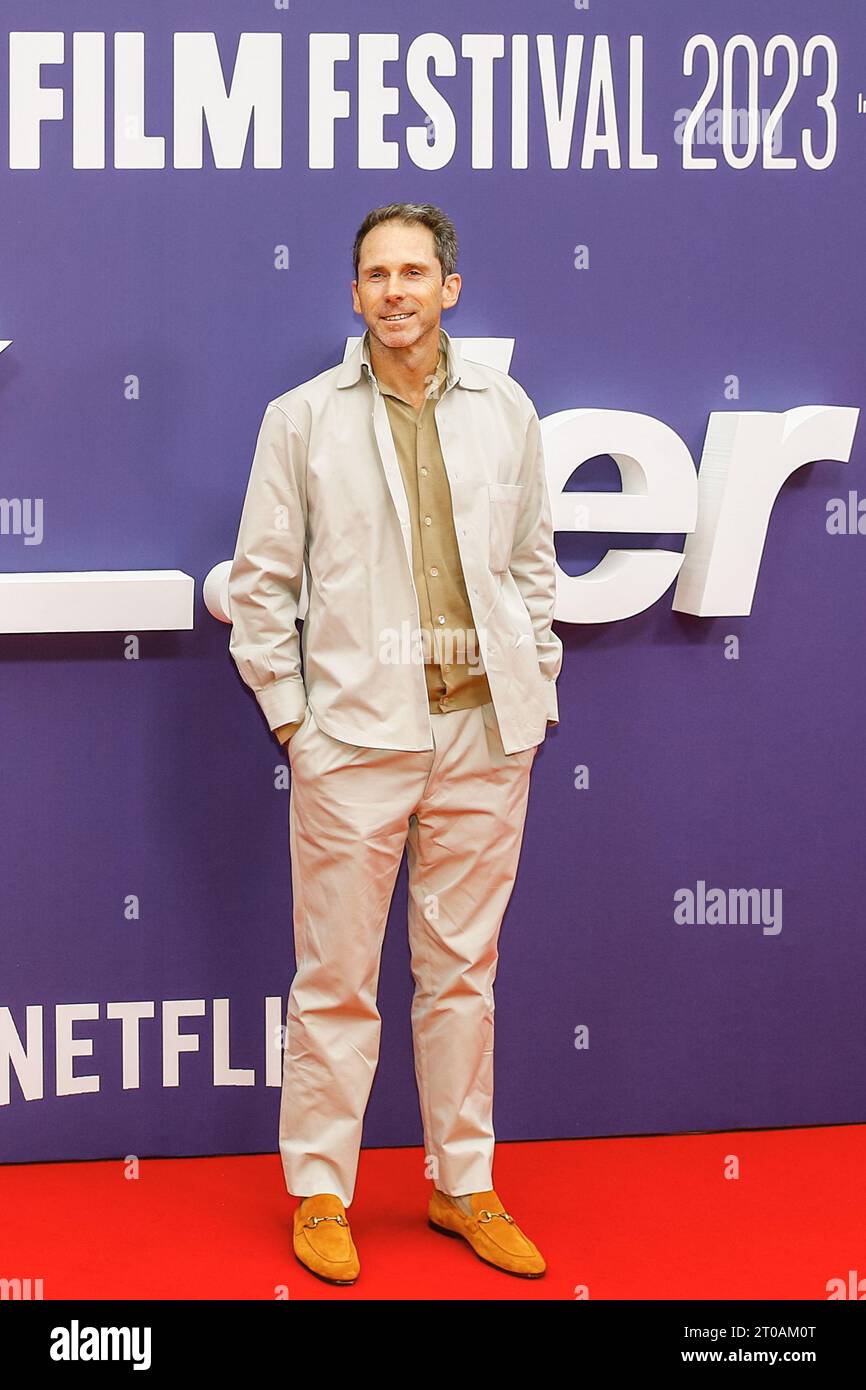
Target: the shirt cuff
(283, 702)
(551, 702)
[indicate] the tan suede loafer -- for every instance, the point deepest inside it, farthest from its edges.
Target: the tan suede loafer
(323, 1240)
(492, 1233)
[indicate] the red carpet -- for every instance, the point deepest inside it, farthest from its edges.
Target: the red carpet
(628, 1218)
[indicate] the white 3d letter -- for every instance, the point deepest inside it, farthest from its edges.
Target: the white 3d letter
(659, 494)
(747, 457)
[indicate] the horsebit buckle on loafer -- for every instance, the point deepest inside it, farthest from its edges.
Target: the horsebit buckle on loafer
(485, 1215)
(314, 1220)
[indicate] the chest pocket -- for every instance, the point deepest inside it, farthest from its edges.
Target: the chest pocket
(505, 501)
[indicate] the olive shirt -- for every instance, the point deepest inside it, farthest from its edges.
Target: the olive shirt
(454, 672)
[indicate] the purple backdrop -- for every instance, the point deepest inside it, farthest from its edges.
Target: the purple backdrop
(155, 777)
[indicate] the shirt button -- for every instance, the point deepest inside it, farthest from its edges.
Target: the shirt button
(424, 471)
(434, 571)
(428, 521)
(441, 618)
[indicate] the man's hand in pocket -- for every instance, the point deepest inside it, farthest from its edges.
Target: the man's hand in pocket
(285, 731)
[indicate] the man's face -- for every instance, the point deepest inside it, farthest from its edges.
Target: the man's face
(399, 289)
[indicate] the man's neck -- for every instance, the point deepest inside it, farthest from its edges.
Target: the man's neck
(409, 376)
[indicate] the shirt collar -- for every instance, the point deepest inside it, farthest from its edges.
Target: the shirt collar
(459, 371)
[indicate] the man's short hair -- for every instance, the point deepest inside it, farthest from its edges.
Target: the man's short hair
(440, 224)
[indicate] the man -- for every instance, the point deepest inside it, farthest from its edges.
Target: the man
(409, 484)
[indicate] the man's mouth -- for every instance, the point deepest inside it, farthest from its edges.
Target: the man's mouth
(397, 318)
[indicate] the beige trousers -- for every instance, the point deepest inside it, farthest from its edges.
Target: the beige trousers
(459, 810)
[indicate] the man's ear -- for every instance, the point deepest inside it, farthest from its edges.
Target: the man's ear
(451, 290)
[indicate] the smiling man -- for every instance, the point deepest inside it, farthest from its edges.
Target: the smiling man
(409, 484)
